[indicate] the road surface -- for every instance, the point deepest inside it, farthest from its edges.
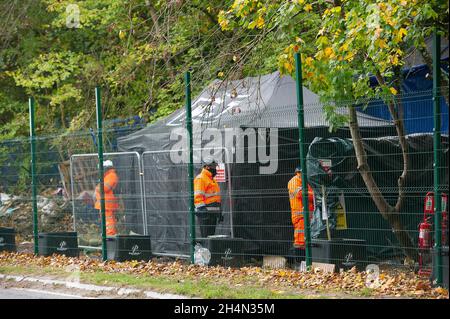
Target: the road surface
(25, 293)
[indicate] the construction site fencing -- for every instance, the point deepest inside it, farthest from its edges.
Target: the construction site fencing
(129, 215)
(372, 188)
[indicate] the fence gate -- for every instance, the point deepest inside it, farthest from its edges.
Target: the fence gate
(129, 191)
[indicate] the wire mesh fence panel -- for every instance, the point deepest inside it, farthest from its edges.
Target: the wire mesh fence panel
(55, 224)
(123, 196)
(371, 179)
(166, 197)
(16, 224)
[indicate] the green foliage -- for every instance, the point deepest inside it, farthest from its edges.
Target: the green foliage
(343, 43)
(138, 50)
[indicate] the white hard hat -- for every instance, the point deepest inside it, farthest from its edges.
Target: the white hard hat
(107, 163)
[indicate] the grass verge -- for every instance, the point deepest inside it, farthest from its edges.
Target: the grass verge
(190, 287)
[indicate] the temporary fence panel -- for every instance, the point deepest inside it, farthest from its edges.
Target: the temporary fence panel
(130, 215)
(166, 199)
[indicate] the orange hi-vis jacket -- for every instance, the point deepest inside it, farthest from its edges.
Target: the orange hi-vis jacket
(296, 200)
(111, 203)
(206, 189)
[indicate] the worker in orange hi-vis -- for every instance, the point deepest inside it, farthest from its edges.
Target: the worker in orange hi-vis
(207, 199)
(111, 203)
(295, 188)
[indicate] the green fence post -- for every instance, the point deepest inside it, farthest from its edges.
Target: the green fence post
(33, 176)
(98, 105)
(301, 142)
(187, 80)
(436, 154)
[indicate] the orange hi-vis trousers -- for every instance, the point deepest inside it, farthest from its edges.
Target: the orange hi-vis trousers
(110, 222)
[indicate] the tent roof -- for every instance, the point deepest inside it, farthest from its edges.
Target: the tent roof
(263, 101)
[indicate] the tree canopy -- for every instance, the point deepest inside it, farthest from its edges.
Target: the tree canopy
(138, 50)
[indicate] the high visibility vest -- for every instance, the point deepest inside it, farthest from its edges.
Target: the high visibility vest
(206, 189)
(110, 182)
(295, 188)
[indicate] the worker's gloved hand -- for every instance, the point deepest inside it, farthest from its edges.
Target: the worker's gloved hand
(201, 210)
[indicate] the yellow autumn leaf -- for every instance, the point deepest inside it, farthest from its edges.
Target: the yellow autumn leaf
(441, 291)
(393, 91)
(344, 47)
(260, 22)
(235, 4)
(390, 22)
(290, 67)
(308, 7)
(328, 52)
(349, 57)
(309, 61)
(223, 23)
(381, 43)
(394, 60)
(402, 32)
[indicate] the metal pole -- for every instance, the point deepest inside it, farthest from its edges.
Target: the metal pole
(436, 153)
(301, 142)
(33, 176)
(187, 79)
(98, 105)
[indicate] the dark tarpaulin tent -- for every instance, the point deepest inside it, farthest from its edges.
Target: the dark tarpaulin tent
(383, 155)
(259, 202)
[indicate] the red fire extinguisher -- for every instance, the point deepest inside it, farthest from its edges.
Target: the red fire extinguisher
(425, 231)
(429, 210)
(424, 235)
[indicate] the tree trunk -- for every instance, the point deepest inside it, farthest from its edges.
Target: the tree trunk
(391, 214)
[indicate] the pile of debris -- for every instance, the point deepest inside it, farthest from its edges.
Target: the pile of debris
(54, 214)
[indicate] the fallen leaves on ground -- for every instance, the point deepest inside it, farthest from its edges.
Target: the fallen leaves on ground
(390, 283)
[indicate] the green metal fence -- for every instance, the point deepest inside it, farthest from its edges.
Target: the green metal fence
(369, 195)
